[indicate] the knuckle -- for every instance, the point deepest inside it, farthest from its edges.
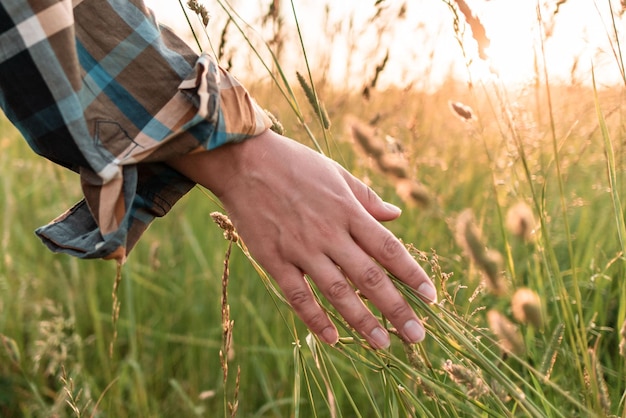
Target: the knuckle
(371, 195)
(365, 323)
(373, 277)
(299, 297)
(398, 311)
(316, 322)
(339, 290)
(391, 248)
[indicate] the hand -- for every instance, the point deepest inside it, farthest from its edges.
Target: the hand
(302, 213)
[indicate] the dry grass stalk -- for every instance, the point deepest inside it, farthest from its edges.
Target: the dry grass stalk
(489, 261)
(115, 310)
(526, 307)
(598, 375)
(622, 343)
(520, 221)
(551, 10)
(478, 30)
(74, 398)
(155, 261)
(379, 69)
(274, 17)
(311, 342)
(223, 39)
(509, 338)
(417, 362)
(470, 379)
(227, 352)
(234, 406)
(551, 352)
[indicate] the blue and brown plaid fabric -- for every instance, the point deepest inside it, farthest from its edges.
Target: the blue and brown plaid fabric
(98, 87)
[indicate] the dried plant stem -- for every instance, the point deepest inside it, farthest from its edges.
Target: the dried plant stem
(115, 310)
(230, 408)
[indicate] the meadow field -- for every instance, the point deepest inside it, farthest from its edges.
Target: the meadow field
(512, 202)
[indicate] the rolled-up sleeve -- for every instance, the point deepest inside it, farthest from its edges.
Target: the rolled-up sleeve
(98, 87)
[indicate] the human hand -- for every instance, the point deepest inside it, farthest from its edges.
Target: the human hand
(302, 213)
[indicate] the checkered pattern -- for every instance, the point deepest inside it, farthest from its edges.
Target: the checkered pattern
(98, 87)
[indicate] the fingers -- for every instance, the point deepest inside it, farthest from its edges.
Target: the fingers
(340, 293)
(300, 296)
(381, 244)
(374, 283)
(386, 249)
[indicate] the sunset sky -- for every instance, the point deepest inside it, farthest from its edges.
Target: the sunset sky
(424, 41)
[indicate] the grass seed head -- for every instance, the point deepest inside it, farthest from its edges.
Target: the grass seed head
(469, 238)
(394, 165)
(365, 136)
(603, 395)
(227, 226)
(466, 377)
(462, 111)
(526, 307)
(509, 338)
(200, 10)
(410, 191)
(276, 125)
(467, 235)
(491, 265)
(520, 221)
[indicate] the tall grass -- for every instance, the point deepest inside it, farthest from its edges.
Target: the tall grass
(516, 213)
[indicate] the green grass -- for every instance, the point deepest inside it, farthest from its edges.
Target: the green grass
(560, 153)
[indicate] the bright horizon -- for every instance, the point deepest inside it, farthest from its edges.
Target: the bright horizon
(424, 41)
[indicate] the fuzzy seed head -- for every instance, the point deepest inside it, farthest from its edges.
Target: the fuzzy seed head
(509, 338)
(526, 307)
(412, 192)
(200, 10)
(466, 377)
(394, 165)
(489, 261)
(227, 226)
(520, 221)
(365, 136)
(492, 268)
(462, 111)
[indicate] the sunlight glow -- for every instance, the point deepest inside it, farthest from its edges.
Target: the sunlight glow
(423, 44)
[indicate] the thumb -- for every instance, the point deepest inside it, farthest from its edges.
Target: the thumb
(372, 203)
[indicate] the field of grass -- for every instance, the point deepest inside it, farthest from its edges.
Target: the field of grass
(518, 218)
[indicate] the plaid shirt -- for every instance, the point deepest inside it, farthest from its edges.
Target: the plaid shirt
(98, 87)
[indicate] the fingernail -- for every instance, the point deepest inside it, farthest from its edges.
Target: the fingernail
(380, 338)
(413, 331)
(428, 291)
(393, 208)
(329, 335)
